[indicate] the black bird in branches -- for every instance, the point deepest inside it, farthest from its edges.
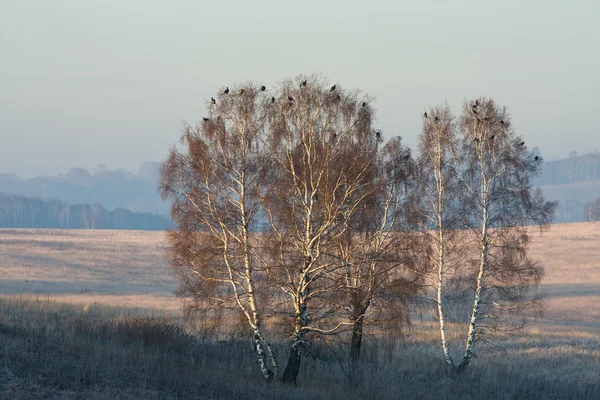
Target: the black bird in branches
(536, 158)
(212, 100)
(291, 99)
(263, 88)
(436, 118)
(332, 88)
(492, 137)
(364, 104)
(226, 91)
(406, 157)
(502, 121)
(476, 140)
(273, 99)
(522, 144)
(303, 83)
(378, 134)
(205, 119)
(425, 114)
(474, 110)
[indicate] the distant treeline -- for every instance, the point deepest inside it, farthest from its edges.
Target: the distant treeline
(111, 188)
(576, 168)
(25, 212)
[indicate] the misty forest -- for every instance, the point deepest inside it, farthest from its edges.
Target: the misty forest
(312, 256)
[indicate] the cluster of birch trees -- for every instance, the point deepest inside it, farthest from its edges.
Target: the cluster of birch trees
(288, 202)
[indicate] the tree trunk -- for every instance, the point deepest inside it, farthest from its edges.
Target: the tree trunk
(262, 357)
(470, 345)
(356, 343)
(293, 365)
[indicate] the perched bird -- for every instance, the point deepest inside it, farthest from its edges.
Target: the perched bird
(522, 144)
(212, 100)
(425, 114)
(474, 110)
(406, 157)
(536, 158)
(378, 134)
(205, 119)
(492, 137)
(332, 88)
(502, 121)
(226, 90)
(476, 140)
(290, 98)
(273, 99)
(303, 83)
(364, 104)
(241, 91)
(436, 118)
(263, 88)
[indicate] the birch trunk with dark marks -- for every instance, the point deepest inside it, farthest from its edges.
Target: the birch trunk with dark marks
(301, 321)
(440, 304)
(472, 335)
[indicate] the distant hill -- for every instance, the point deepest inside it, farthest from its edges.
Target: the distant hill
(112, 189)
(32, 212)
(573, 198)
(573, 181)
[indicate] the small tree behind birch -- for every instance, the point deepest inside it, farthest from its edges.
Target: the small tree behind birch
(376, 250)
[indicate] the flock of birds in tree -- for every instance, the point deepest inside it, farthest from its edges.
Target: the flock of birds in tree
(474, 110)
(304, 83)
(263, 88)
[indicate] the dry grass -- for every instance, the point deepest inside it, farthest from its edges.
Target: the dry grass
(92, 349)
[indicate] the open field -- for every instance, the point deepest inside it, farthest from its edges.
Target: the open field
(74, 324)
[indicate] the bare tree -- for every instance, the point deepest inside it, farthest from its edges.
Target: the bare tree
(316, 133)
(215, 186)
(376, 247)
(434, 201)
(498, 202)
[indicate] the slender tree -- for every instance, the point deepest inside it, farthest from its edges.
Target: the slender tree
(434, 202)
(376, 246)
(497, 204)
(215, 185)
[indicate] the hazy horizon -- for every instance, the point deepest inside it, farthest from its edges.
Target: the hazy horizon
(109, 82)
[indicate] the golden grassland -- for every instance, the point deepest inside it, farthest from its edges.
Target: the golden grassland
(91, 314)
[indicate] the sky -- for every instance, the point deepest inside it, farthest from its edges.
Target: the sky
(92, 82)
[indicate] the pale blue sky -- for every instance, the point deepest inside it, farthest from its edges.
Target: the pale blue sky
(91, 82)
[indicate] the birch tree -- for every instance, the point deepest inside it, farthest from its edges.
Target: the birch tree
(215, 184)
(434, 202)
(498, 203)
(316, 134)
